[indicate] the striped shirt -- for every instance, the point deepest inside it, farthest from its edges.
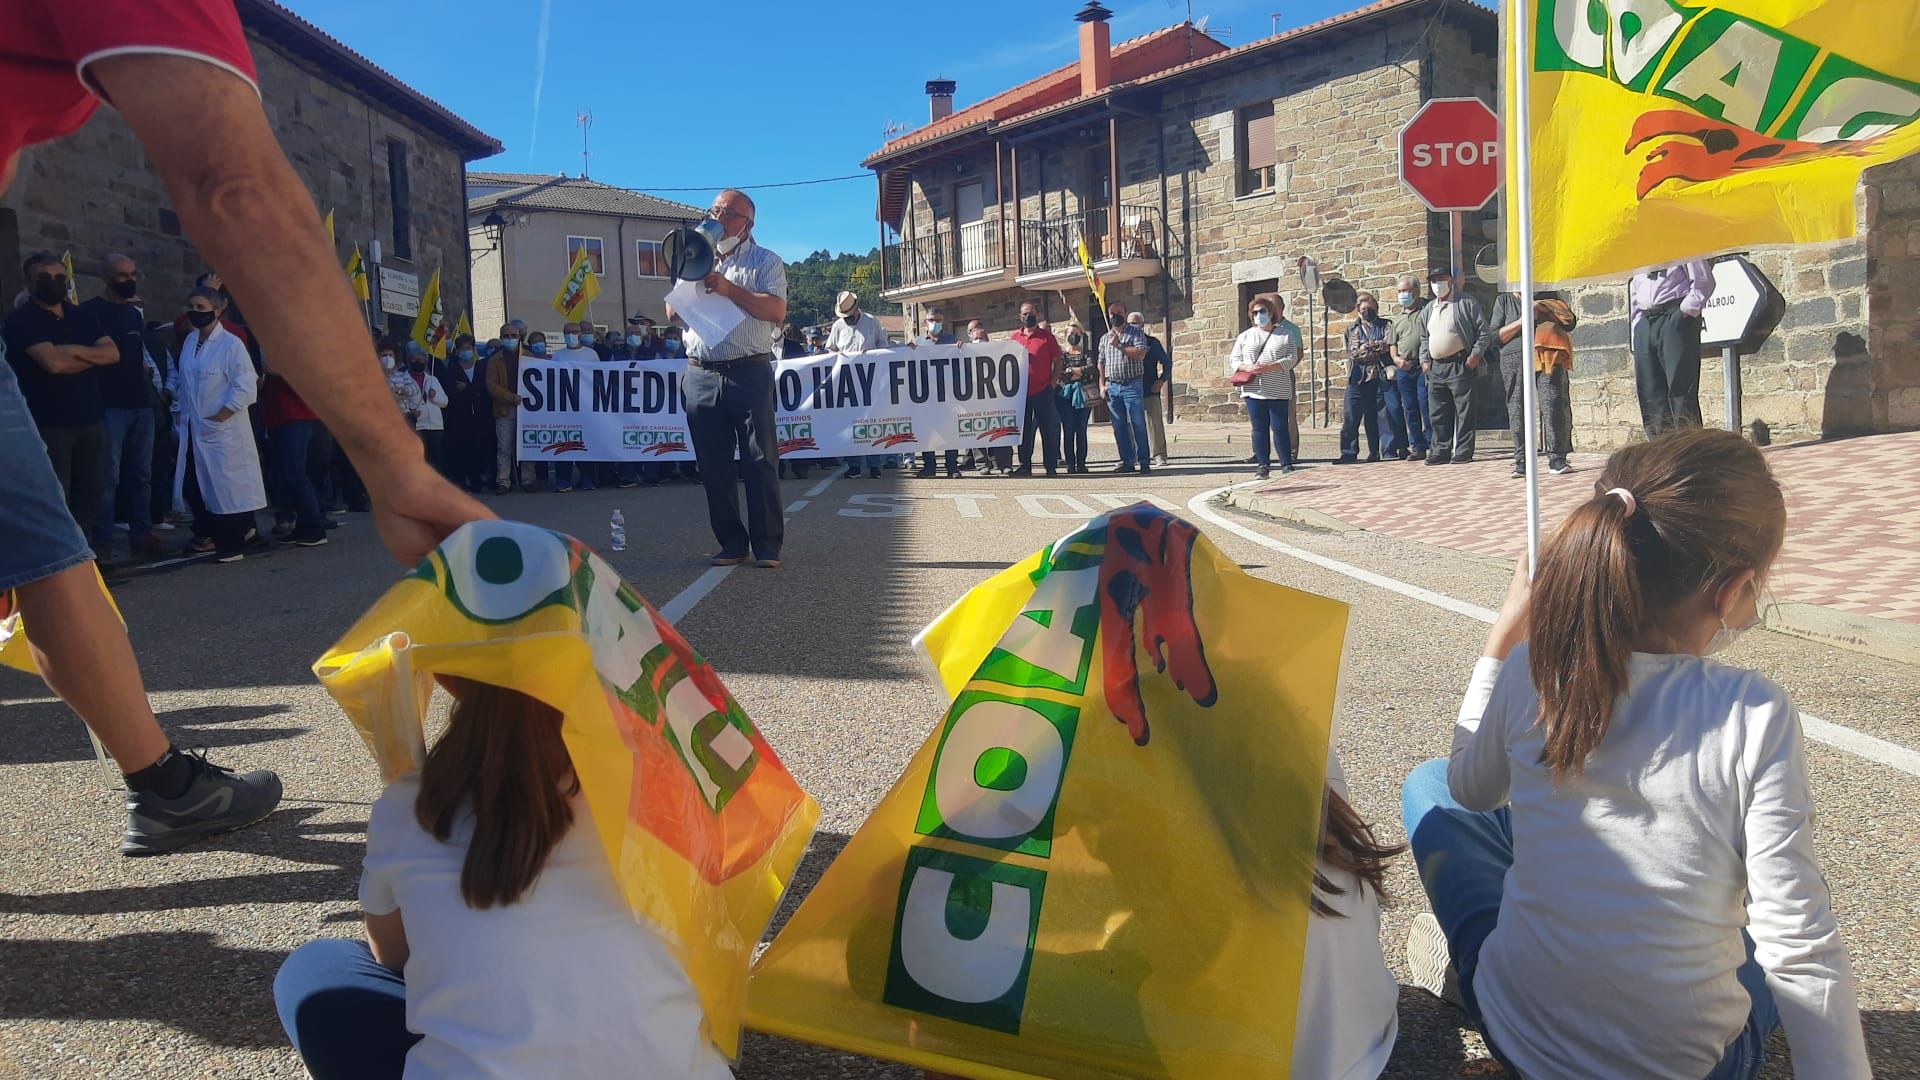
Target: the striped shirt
(755, 269)
(1281, 345)
(1114, 360)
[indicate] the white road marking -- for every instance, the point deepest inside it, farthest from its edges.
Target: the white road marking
(676, 609)
(796, 506)
(966, 502)
(1071, 508)
(1838, 736)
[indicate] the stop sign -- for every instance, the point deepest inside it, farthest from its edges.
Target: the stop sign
(1450, 154)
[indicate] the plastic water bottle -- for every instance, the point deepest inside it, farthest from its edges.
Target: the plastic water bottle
(619, 525)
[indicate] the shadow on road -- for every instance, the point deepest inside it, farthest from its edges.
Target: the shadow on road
(45, 733)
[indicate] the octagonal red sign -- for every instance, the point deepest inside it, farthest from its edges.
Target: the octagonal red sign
(1450, 154)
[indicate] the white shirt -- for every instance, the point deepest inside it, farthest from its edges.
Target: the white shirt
(863, 334)
(1620, 921)
(433, 398)
(1349, 1014)
(1443, 335)
(757, 270)
(578, 354)
(1278, 344)
(566, 982)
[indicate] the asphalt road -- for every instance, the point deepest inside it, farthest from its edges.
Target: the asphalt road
(116, 967)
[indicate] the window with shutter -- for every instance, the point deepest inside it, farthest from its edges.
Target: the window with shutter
(1257, 156)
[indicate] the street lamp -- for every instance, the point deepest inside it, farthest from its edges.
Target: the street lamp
(494, 225)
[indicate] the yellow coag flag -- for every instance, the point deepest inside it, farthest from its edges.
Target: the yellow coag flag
(462, 328)
(73, 281)
(578, 289)
(1662, 131)
(701, 823)
(1100, 862)
(357, 274)
(430, 324)
(329, 223)
(1093, 278)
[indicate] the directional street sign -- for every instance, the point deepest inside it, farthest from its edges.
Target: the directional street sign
(1450, 154)
(1739, 301)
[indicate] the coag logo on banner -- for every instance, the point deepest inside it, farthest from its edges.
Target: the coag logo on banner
(654, 440)
(553, 439)
(795, 435)
(989, 425)
(884, 434)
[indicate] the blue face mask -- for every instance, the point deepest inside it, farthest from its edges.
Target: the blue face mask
(934, 328)
(1261, 318)
(573, 341)
(633, 341)
(1406, 299)
(466, 356)
(675, 347)
(539, 348)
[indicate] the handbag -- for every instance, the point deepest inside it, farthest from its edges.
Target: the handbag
(1242, 378)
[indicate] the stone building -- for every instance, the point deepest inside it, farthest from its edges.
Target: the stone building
(538, 224)
(389, 162)
(1232, 164)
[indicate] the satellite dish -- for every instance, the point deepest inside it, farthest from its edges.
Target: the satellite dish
(1309, 274)
(1339, 295)
(1486, 266)
(689, 249)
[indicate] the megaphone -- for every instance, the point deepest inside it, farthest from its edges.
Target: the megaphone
(692, 250)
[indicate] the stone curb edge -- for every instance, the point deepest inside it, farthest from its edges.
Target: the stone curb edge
(1887, 639)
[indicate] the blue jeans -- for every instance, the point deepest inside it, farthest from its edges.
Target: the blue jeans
(1463, 857)
(1128, 403)
(1407, 412)
(1272, 430)
(1362, 410)
(129, 475)
(345, 1014)
(289, 444)
(1073, 433)
(38, 536)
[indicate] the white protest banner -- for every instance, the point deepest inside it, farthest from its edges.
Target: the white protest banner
(887, 401)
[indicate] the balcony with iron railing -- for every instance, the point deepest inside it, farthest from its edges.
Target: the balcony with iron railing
(949, 260)
(1050, 247)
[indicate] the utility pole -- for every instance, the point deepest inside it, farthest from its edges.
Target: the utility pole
(585, 119)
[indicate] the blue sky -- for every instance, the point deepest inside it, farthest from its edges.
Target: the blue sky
(744, 92)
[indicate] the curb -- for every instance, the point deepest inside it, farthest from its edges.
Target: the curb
(1884, 638)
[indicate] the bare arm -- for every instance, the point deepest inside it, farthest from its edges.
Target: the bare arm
(387, 937)
(99, 354)
(243, 206)
(57, 359)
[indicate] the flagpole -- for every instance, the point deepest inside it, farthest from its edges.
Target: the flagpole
(1523, 195)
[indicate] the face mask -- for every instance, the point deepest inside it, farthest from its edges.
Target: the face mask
(1724, 637)
(50, 290)
(200, 319)
(1441, 289)
(416, 367)
(509, 343)
(386, 361)
(850, 318)
(466, 356)
(633, 341)
(1369, 312)
(124, 289)
(1074, 340)
(1030, 320)
(1406, 299)
(934, 328)
(1261, 318)
(539, 348)
(573, 341)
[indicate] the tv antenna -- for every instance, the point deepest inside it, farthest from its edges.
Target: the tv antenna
(585, 119)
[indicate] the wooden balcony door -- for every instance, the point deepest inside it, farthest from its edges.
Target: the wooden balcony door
(970, 222)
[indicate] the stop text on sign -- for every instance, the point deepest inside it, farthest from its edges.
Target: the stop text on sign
(1426, 155)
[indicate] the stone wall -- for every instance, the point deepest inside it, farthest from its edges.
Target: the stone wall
(95, 192)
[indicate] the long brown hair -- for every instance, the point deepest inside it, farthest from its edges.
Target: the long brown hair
(1704, 509)
(502, 758)
(1347, 843)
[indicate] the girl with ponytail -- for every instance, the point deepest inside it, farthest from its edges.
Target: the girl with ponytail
(1619, 851)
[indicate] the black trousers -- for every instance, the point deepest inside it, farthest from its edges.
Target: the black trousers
(926, 461)
(1450, 405)
(1362, 410)
(1044, 417)
(227, 531)
(79, 456)
(727, 412)
(1666, 370)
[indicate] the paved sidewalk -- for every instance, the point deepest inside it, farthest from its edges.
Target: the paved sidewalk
(1853, 514)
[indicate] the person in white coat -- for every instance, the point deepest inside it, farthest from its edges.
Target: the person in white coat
(216, 384)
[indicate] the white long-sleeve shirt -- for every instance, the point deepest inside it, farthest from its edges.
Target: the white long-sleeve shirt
(1620, 921)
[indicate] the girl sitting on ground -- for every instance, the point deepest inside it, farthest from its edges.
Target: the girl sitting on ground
(1619, 853)
(498, 943)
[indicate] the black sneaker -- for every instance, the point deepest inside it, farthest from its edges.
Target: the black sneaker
(218, 800)
(316, 538)
(1436, 459)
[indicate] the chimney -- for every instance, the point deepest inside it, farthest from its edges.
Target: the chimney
(1096, 48)
(940, 103)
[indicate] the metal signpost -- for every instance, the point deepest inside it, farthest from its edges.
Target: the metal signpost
(1732, 321)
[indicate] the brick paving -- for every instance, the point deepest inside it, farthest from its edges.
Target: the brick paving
(1853, 513)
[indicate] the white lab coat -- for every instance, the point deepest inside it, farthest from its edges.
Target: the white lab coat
(217, 374)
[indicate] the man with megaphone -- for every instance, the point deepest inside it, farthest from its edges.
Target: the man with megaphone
(728, 390)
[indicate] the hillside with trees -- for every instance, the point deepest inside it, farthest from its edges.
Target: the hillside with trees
(814, 281)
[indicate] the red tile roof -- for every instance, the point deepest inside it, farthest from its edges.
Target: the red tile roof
(1132, 60)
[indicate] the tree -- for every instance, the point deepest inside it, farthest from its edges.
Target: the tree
(814, 282)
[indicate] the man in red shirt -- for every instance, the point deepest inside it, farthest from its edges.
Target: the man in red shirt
(1043, 369)
(181, 76)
